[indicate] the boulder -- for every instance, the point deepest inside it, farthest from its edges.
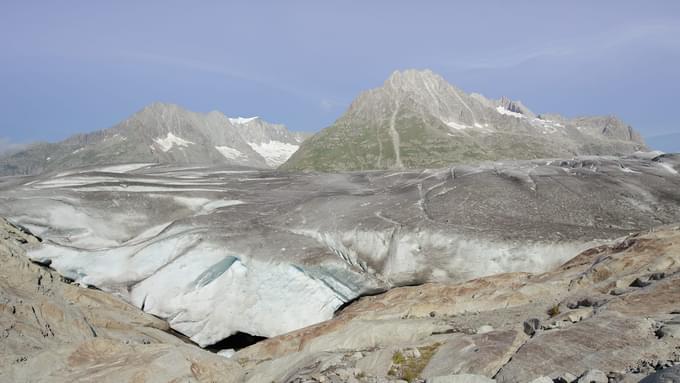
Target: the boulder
(594, 376)
(531, 325)
(542, 379)
(667, 375)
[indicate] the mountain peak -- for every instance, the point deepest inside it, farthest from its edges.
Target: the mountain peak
(418, 119)
(515, 106)
(167, 134)
(162, 107)
(412, 78)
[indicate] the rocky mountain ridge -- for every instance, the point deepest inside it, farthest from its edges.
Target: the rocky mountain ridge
(166, 134)
(417, 119)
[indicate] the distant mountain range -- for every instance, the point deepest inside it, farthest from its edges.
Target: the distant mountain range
(164, 133)
(417, 119)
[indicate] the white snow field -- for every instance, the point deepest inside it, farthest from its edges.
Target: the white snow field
(274, 152)
(230, 153)
(506, 112)
(216, 251)
(168, 142)
(242, 120)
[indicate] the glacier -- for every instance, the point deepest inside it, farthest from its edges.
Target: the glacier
(218, 250)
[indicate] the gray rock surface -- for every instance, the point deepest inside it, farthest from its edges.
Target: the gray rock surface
(594, 376)
(461, 378)
(542, 379)
(481, 354)
(667, 375)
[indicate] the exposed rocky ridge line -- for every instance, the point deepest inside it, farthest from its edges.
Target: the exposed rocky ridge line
(53, 331)
(167, 134)
(609, 314)
(438, 125)
(197, 245)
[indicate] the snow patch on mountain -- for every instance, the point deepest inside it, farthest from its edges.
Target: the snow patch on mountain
(506, 112)
(274, 152)
(171, 141)
(457, 126)
(230, 153)
(125, 168)
(242, 120)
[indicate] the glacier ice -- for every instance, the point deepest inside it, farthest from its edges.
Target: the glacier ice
(216, 251)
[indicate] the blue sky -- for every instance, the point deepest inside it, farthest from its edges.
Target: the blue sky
(78, 66)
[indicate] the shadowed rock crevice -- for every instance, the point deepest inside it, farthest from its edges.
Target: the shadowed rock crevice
(236, 342)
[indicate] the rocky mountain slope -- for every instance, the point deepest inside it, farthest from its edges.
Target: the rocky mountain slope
(54, 331)
(610, 314)
(168, 134)
(417, 119)
(217, 252)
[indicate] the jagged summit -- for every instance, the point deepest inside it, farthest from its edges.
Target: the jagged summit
(417, 119)
(160, 106)
(164, 133)
(413, 78)
(515, 106)
(160, 110)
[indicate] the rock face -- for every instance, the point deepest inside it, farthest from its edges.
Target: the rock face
(216, 251)
(429, 330)
(417, 119)
(168, 134)
(53, 331)
(666, 375)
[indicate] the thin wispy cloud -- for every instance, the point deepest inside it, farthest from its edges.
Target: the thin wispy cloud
(328, 105)
(214, 68)
(584, 46)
